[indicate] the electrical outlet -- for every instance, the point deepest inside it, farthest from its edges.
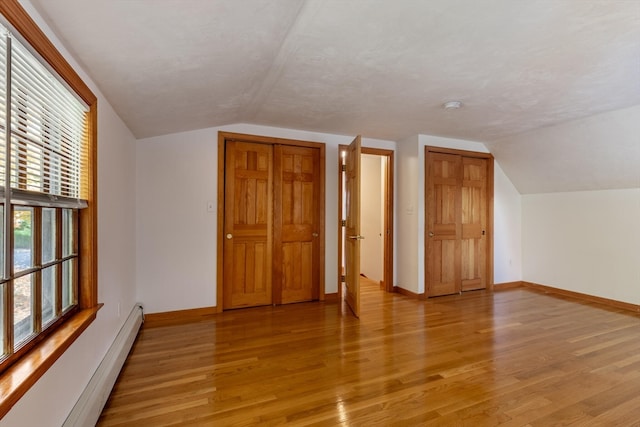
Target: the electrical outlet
(210, 206)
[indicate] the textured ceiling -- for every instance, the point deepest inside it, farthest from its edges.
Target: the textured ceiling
(379, 68)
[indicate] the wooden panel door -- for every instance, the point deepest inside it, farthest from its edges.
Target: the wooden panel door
(248, 225)
(443, 223)
(296, 221)
(352, 228)
(474, 223)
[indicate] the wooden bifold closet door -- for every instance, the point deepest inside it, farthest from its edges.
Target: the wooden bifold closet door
(458, 206)
(296, 224)
(271, 225)
(248, 243)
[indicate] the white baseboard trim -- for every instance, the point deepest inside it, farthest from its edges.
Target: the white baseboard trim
(89, 406)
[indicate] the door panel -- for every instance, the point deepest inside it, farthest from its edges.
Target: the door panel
(474, 193)
(352, 228)
(443, 224)
(248, 225)
(297, 192)
(297, 277)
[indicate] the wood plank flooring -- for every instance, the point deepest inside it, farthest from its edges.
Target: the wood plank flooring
(512, 358)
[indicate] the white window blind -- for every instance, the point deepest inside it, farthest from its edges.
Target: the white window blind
(47, 131)
(3, 104)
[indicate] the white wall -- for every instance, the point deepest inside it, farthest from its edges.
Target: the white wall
(371, 217)
(587, 242)
(406, 218)
(507, 229)
(176, 242)
(176, 246)
(50, 400)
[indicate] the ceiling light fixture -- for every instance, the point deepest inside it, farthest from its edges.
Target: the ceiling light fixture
(452, 105)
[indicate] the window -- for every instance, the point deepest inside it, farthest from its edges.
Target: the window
(48, 270)
(43, 135)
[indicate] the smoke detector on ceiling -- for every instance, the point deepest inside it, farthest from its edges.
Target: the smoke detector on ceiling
(452, 105)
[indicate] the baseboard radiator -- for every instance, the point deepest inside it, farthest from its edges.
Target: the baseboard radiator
(89, 406)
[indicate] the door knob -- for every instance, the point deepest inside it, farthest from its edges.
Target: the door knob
(229, 236)
(314, 234)
(431, 234)
(356, 237)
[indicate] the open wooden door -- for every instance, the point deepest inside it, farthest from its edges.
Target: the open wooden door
(352, 227)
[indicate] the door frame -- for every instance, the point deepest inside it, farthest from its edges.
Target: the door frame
(223, 137)
(489, 229)
(388, 217)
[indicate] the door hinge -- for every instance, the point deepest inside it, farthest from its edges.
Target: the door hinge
(343, 222)
(343, 278)
(343, 168)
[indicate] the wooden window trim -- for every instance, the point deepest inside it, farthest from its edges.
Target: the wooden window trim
(24, 373)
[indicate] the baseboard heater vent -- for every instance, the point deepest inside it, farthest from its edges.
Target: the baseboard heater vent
(89, 406)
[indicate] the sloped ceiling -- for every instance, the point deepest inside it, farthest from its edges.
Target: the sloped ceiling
(379, 68)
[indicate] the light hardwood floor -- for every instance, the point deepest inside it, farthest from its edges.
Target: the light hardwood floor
(512, 358)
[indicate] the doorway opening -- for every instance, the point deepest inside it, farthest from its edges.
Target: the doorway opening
(376, 220)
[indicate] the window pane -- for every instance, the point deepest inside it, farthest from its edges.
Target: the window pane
(68, 275)
(1, 244)
(48, 294)
(23, 308)
(2, 317)
(48, 235)
(23, 238)
(67, 232)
